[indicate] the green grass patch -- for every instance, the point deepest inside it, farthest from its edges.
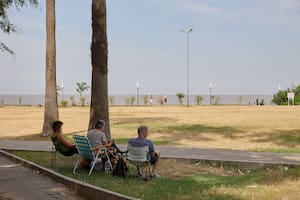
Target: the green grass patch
(288, 138)
(200, 181)
(200, 128)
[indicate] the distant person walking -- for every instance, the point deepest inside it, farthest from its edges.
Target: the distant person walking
(165, 99)
(151, 99)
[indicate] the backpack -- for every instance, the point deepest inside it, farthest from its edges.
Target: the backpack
(121, 168)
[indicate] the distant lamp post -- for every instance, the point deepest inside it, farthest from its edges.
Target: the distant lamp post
(62, 91)
(187, 63)
(210, 87)
(137, 94)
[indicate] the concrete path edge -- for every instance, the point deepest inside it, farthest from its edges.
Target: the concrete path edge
(85, 190)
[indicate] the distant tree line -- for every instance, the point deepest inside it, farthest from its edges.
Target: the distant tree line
(280, 98)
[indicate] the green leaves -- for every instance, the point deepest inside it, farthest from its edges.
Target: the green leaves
(280, 98)
(5, 25)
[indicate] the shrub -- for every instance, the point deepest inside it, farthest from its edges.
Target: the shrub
(198, 99)
(127, 101)
(112, 100)
(132, 99)
(146, 99)
(180, 96)
(280, 98)
(72, 99)
(217, 100)
(82, 101)
(64, 103)
(20, 100)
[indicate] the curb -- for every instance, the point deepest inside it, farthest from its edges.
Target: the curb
(85, 190)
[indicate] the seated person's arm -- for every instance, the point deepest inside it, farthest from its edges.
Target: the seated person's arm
(152, 154)
(107, 144)
(151, 150)
(61, 138)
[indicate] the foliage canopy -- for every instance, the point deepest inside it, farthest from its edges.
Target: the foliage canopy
(280, 98)
(5, 25)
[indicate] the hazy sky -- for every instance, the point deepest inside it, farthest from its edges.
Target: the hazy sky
(241, 47)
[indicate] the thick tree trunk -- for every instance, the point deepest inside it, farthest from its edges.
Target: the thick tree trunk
(99, 51)
(51, 107)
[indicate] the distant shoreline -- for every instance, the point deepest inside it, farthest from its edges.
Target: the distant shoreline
(35, 99)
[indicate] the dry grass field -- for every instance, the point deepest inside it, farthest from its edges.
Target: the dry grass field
(227, 127)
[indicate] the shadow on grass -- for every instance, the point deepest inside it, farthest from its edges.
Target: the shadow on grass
(198, 132)
(39, 137)
(141, 120)
(288, 138)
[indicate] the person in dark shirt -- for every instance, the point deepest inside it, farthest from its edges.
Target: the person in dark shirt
(62, 145)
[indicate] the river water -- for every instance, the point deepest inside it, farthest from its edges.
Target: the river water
(27, 99)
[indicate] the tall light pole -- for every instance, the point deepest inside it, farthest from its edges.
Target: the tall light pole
(187, 65)
(210, 87)
(137, 94)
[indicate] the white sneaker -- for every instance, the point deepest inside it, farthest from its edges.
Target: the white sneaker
(154, 175)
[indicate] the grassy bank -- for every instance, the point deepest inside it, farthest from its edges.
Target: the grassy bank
(192, 180)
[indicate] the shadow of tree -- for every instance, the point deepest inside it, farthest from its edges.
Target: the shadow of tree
(289, 138)
(141, 120)
(39, 137)
(194, 132)
(199, 128)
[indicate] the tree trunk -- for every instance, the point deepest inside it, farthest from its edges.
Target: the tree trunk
(99, 52)
(51, 107)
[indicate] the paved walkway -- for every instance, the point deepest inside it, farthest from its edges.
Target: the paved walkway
(18, 183)
(179, 152)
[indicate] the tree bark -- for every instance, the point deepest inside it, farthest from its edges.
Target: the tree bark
(51, 107)
(99, 52)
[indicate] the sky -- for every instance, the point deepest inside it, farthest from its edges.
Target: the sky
(240, 47)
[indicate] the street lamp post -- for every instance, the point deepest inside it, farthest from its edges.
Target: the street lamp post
(137, 93)
(210, 87)
(62, 91)
(187, 63)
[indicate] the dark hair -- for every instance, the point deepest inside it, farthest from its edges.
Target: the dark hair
(57, 125)
(99, 124)
(141, 129)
